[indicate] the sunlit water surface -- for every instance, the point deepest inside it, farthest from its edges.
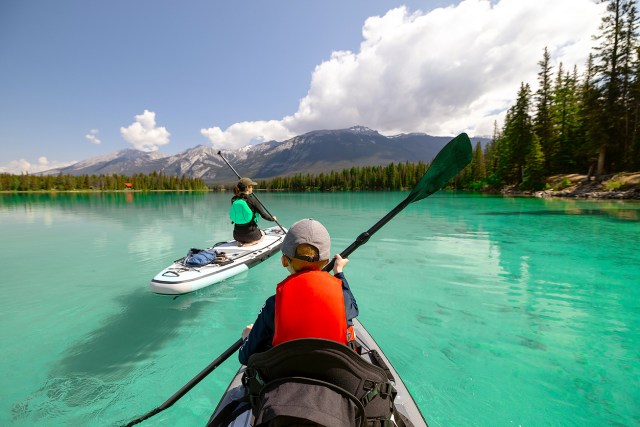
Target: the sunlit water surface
(495, 311)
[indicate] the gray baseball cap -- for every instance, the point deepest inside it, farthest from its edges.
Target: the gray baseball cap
(307, 231)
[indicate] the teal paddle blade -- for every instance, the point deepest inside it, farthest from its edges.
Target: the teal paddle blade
(454, 157)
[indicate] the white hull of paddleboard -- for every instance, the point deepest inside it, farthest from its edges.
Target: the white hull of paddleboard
(178, 279)
(404, 401)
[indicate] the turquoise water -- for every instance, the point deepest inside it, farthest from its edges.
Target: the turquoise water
(495, 311)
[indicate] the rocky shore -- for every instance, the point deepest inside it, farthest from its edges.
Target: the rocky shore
(622, 186)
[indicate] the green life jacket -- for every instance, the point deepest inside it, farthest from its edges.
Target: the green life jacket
(241, 213)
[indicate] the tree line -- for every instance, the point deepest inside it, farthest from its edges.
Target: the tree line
(585, 123)
(390, 177)
(151, 182)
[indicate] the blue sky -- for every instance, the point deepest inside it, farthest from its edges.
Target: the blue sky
(81, 78)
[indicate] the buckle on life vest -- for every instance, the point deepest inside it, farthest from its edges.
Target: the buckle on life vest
(351, 340)
(351, 334)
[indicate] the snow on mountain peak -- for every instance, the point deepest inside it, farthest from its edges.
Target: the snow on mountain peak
(362, 129)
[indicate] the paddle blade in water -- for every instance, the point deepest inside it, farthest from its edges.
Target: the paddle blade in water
(447, 164)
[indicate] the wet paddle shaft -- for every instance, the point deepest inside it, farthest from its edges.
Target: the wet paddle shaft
(448, 163)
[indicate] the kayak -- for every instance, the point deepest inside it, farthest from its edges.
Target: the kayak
(403, 402)
(230, 260)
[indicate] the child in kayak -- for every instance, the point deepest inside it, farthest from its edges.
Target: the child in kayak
(244, 214)
(309, 303)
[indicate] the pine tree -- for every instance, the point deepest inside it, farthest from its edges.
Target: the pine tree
(630, 71)
(634, 116)
(518, 135)
(542, 123)
(478, 167)
(565, 122)
(534, 171)
(589, 134)
(613, 77)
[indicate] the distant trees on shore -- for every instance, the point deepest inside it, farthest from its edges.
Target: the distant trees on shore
(151, 182)
(394, 176)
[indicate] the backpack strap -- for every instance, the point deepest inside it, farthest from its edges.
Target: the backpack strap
(254, 384)
(378, 361)
(384, 390)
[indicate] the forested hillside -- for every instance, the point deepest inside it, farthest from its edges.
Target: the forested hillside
(576, 122)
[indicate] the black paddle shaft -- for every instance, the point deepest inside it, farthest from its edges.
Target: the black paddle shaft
(364, 237)
(254, 196)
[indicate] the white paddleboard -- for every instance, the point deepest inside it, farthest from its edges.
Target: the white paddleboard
(179, 279)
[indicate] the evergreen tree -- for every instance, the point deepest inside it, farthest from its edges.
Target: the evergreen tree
(630, 59)
(478, 167)
(565, 122)
(589, 133)
(542, 123)
(534, 171)
(518, 135)
(634, 116)
(612, 54)
(493, 162)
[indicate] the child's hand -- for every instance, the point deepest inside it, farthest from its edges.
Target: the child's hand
(339, 263)
(246, 330)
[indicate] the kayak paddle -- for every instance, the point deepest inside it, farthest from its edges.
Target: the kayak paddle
(448, 163)
(254, 196)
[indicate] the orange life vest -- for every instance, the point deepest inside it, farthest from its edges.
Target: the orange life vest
(310, 304)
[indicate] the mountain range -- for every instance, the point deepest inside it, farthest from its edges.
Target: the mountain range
(313, 152)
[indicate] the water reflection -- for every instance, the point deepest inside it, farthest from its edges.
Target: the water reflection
(101, 198)
(91, 370)
(616, 214)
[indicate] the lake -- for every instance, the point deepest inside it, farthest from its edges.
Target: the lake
(495, 311)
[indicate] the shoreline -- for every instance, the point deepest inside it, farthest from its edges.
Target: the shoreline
(620, 186)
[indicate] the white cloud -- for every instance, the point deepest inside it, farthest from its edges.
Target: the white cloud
(143, 133)
(240, 134)
(92, 136)
(18, 167)
(449, 70)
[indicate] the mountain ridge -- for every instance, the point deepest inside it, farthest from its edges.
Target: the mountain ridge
(313, 152)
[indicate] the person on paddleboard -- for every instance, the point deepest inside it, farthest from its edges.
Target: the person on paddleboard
(309, 303)
(244, 214)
